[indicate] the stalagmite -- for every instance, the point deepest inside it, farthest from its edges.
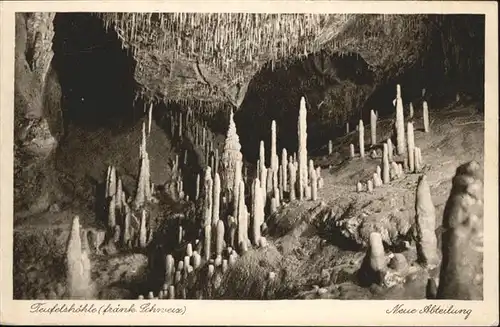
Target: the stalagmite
(377, 253)
(425, 220)
(197, 192)
(284, 169)
(269, 182)
(461, 276)
(361, 133)
(359, 187)
(273, 206)
(292, 173)
(262, 155)
(78, 277)
(314, 186)
(189, 250)
(169, 269)
(241, 214)
(219, 241)
(425, 115)
(411, 147)
(347, 128)
(274, 154)
(394, 171)
(196, 260)
(257, 211)
(230, 157)
(416, 155)
(207, 241)
(150, 117)
(111, 212)
(385, 165)
(400, 127)
(302, 148)
(208, 196)
(411, 111)
(236, 188)
(373, 127)
(142, 230)
(126, 228)
(390, 150)
(112, 181)
(370, 186)
(377, 182)
(330, 147)
(216, 199)
(351, 150)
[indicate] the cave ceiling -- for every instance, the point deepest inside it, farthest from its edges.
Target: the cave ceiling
(212, 57)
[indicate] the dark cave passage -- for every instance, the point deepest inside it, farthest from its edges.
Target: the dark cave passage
(96, 74)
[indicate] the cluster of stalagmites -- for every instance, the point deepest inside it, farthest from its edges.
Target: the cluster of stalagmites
(391, 169)
(230, 225)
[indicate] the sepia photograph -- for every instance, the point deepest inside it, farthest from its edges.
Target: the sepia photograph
(248, 155)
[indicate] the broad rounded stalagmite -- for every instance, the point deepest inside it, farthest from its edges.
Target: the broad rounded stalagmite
(425, 220)
(376, 254)
(461, 276)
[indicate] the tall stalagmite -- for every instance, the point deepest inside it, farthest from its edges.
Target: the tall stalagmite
(302, 149)
(373, 127)
(411, 147)
(230, 157)
(425, 116)
(361, 133)
(400, 123)
(461, 275)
